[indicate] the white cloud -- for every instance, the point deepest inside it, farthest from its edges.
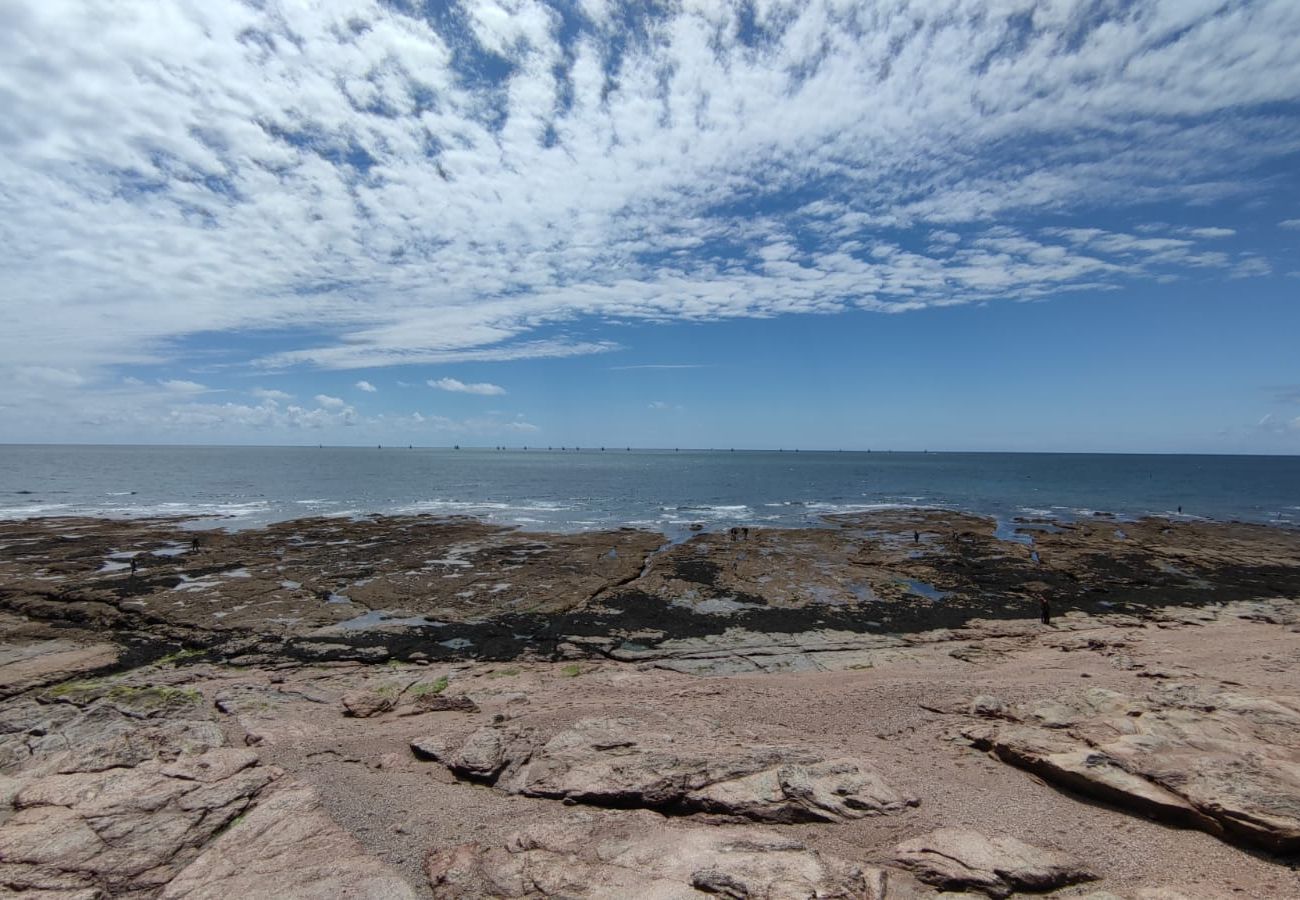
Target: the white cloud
(273, 396)
(181, 386)
(47, 375)
(367, 387)
(662, 405)
(1271, 424)
(1251, 267)
(660, 366)
(1289, 223)
(460, 387)
(329, 402)
(477, 426)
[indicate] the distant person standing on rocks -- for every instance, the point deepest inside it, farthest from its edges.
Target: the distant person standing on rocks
(134, 565)
(194, 544)
(916, 537)
(1045, 607)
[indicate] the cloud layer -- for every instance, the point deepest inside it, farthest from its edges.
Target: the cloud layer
(374, 184)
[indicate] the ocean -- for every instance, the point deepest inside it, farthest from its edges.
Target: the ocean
(240, 487)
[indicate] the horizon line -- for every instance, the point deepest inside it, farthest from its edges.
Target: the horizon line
(624, 448)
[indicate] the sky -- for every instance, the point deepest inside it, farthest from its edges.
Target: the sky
(944, 225)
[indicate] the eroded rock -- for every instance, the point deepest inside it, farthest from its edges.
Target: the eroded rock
(25, 665)
(685, 766)
(126, 829)
(641, 854)
(362, 704)
(961, 859)
(287, 847)
(1220, 761)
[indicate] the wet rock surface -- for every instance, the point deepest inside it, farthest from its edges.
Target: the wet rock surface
(420, 587)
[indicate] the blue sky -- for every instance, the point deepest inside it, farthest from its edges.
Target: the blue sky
(943, 225)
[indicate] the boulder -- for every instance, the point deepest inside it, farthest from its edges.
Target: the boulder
(362, 704)
(692, 768)
(425, 703)
(989, 707)
(960, 859)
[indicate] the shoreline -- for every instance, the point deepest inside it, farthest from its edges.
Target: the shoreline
(1008, 523)
(451, 588)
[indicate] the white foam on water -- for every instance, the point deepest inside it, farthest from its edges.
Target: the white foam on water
(489, 508)
(842, 508)
(184, 510)
(34, 511)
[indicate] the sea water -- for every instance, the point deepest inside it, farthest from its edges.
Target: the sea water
(658, 489)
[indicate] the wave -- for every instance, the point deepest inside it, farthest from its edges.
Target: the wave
(488, 507)
(842, 508)
(34, 510)
(188, 510)
(149, 511)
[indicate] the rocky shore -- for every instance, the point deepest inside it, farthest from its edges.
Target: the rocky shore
(421, 707)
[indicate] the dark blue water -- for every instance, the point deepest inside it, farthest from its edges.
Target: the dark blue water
(655, 489)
